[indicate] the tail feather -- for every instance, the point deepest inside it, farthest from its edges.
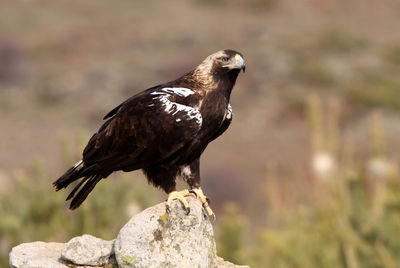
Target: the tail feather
(91, 176)
(76, 188)
(69, 176)
(84, 192)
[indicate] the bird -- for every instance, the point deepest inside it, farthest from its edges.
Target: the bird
(163, 131)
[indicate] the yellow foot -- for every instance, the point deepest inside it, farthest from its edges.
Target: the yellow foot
(181, 197)
(199, 194)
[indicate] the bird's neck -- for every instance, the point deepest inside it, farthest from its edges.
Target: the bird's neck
(225, 81)
(213, 81)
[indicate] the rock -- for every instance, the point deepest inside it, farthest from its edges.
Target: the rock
(89, 250)
(150, 239)
(221, 263)
(156, 239)
(37, 255)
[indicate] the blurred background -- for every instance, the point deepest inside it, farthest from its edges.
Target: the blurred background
(307, 174)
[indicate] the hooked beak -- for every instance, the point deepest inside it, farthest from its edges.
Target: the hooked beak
(236, 62)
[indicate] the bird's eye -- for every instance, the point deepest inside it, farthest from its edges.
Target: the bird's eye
(224, 58)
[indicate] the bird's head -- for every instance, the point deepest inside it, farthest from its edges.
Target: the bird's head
(221, 64)
(227, 60)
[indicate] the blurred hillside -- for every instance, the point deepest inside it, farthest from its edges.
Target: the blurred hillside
(319, 103)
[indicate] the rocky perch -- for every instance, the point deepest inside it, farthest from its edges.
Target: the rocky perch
(152, 238)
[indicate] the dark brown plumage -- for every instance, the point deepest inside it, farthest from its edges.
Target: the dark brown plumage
(162, 130)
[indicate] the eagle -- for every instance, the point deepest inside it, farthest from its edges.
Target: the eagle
(162, 130)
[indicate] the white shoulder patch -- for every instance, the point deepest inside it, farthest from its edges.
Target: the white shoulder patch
(180, 91)
(229, 112)
(173, 107)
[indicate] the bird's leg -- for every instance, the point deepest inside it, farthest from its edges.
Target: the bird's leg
(179, 195)
(191, 174)
(199, 194)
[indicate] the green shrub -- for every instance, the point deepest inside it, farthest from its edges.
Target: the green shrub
(339, 41)
(353, 229)
(377, 91)
(392, 55)
(313, 72)
(32, 210)
(231, 234)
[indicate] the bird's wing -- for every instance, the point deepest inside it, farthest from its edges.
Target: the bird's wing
(116, 109)
(144, 130)
(225, 124)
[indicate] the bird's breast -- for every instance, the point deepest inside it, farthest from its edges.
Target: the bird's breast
(213, 111)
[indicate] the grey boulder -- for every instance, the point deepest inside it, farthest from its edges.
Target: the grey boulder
(88, 250)
(37, 255)
(156, 239)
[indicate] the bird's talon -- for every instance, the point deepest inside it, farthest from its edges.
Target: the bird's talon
(208, 200)
(205, 201)
(213, 218)
(193, 192)
(167, 208)
(175, 195)
(204, 213)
